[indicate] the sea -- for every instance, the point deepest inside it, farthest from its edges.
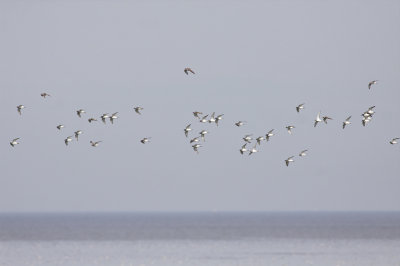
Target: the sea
(214, 238)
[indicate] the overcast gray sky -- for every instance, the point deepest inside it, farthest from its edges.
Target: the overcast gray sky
(254, 61)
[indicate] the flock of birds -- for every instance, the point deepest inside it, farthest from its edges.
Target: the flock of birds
(213, 118)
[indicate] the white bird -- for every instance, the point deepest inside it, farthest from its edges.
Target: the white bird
(219, 117)
(366, 120)
(77, 133)
(59, 127)
(212, 119)
(104, 117)
(394, 141)
(203, 119)
(196, 147)
(303, 153)
(253, 150)
(203, 133)
(196, 139)
(370, 110)
(138, 109)
(347, 122)
(318, 119)
(243, 149)
(187, 129)
(44, 94)
(14, 142)
(289, 129)
(300, 107)
(91, 120)
(269, 134)
(113, 116)
(240, 123)
(95, 144)
(248, 138)
(196, 114)
(80, 112)
(145, 140)
(259, 139)
(288, 160)
(68, 139)
(187, 70)
(372, 83)
(19, 108)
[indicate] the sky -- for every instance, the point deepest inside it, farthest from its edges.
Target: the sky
(254, 61)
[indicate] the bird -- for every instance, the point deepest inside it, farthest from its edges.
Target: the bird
(347, 122)
(394, 141)
(138, 109)
(59, 127)
(203, 133)
(300, 107)
(145, 140)
(196, 147)
(326, 118)
(317, 120)
(259, 139)
(289, 129)
(91, 120)
(253, 150)
(366, 120)
(240, 123)
(370, 110)
(219, 117)
(80, 112)
(203, 119)
(212, 119)
(44, 94)
(77, 133)
(95, 144)
(197, 113)
(103, 117)
(187, 70)
(288, 160)
(113, 116)
(243, 149)
(372, 83)
(187, 129)
(68, 139)
(269, 134)
(19, 108)
(247, 138)
(196, 139)
(14, 142)
(303, 153)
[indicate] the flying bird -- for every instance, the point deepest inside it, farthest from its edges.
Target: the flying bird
(259, 139)
(196, 139)
(347, 122)
(212, 118)
(303, 153)
(289, 160)
(19, 108)
(300, 107)
(203, 133)
(243, 149)
(372, 83)
(196, 114)
(14, 142)
(248, 138)
(138, 109)
(394, 141)
(203, 119)
(326, 118)
(44, 94)
(219, 117)
(67, 140)
(80, 112)
(59, 127)
(253, 150)
(145, 140)
(269, 134)
(77, 133)
(95, 144)
(113, 116)
(91, 120)
(196, 147)
(240, 123)
(187, 70)
(318, 119)
(104, 117)
(289, 129)
(187, 129)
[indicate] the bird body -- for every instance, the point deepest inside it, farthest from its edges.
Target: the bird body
(372, 83)
(347, 122)
(203, 133)
(196, 114)
(145, 140)
(196, 147)
(203, 119)
(289, 160)
(104, 117)
(269, 134)
(95, 144)
(243, 149)
(113, 116)
(240, 123)
(80, 112)
(14, 142)
(138, 109)
(247, 138)
(187, 130)
(19, 108)
(394, 141)
(317, 120)
(91, 120)
(67, 140)
(77, 133)
(326, 118)
(44, 94)
(289, 129)
(300, 107)
(59, 127)
(303, 153)
(187, 70)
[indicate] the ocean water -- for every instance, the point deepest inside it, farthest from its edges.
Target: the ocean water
(201, 239)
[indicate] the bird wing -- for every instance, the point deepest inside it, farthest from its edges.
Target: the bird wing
(348, 118)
